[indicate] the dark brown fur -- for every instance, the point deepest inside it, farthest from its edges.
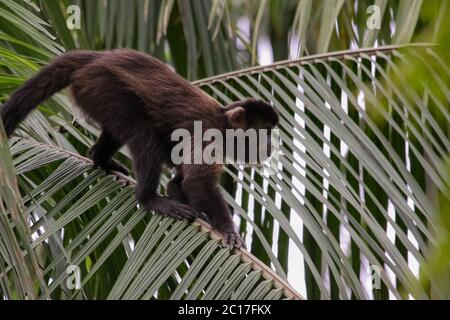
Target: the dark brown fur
(138, 101)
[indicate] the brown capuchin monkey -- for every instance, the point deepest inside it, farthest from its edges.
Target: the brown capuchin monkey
(139, 101)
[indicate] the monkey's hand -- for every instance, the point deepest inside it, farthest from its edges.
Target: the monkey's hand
(107, 164)
(232, 239)
(115, 166)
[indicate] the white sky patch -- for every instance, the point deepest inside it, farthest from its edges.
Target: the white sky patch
(251, 215)
(365, 276)
(392, 24)
(361, 102)
(391, 236)
(131, 244)
(296, 274)
(336, 27)
(327, 134)
(413, 264)
(294, 46)
(264, 51)
(355, 29)
(344, 238)
(276, 234)
(344, 105)
(177, 276)
(243, 26)
(390, 229)
(373, 65)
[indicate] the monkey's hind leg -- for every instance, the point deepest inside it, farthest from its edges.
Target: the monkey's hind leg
(174, 189)
(103, 151)
(148, 158)
(200, 185)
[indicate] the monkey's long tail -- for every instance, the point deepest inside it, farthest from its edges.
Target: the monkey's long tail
(50, 79)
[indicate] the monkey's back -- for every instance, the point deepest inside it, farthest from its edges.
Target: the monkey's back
(130, 86)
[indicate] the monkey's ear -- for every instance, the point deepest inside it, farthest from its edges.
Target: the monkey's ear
(237, 117)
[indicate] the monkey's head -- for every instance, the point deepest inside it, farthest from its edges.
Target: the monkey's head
(252, 121)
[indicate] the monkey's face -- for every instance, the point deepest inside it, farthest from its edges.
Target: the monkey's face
(252, 122)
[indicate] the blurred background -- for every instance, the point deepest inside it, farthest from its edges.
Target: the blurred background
(359, 207)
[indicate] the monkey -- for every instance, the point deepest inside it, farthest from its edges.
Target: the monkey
(138, 101)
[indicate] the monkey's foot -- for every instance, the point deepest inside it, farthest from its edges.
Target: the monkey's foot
(174, 209)
(110, 165)
(115, 166)
(232, 239)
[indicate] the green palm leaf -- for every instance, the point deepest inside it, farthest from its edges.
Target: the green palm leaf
(302, 91)
(82, 217)
(364, 155)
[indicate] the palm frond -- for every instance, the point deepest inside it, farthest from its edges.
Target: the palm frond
(364, 155)
(349, 100)
(80, 217)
